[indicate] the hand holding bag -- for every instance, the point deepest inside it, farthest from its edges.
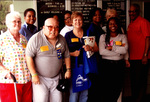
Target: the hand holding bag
(64, 84)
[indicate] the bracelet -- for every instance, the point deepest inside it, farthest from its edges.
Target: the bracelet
(68, 69)
(35, 74)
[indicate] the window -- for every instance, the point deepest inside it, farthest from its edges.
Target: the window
(4, 9)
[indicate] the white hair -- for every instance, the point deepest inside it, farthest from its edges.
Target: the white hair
(111, 11)
(10, 15)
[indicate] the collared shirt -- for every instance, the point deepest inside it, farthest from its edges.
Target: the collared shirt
(137, 32)
(25, 30)
(14, 58)
(48, 59)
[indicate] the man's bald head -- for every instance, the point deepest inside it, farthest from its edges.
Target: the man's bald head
(51, 28)
(48, 20)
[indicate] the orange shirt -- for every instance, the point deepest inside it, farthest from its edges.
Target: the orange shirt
(137, 32)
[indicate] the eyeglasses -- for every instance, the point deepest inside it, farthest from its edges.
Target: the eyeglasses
(132, 11)
(14, 22)
(67, 18)
(52, 27)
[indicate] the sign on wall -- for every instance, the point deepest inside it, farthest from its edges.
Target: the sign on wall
(83, 6)
(48, 8)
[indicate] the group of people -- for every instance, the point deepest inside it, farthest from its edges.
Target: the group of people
(36, 58)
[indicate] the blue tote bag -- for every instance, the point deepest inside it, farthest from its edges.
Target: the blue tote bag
(80, 81)
(90, 64)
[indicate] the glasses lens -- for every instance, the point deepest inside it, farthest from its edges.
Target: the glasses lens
(52, 27)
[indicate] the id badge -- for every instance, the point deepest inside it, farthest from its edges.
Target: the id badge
(59, 55)
(118, 43)
(74, 40)
(44, 48)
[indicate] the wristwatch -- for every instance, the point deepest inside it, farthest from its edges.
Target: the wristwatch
(145, 54)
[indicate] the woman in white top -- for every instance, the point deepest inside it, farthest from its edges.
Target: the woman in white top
(113, 47)
(68, 24)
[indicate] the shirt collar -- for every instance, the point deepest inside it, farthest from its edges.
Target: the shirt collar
(12, 38)
(136, 19)
(26, 25)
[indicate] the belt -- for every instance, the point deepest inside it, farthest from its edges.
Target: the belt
(113, 61)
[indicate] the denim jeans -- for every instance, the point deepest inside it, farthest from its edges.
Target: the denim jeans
(81, 96)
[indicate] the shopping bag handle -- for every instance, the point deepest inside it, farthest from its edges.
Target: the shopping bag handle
(76, 58)
(13, 77)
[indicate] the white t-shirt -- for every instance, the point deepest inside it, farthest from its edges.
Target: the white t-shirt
(65, 30)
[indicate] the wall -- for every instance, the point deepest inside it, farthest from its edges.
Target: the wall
(21, 5)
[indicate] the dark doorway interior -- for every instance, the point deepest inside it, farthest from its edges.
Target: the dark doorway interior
(146, 10)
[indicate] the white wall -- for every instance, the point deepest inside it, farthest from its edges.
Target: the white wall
(21, 5)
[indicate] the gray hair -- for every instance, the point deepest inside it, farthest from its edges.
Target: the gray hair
(111, 11)
(10, 15)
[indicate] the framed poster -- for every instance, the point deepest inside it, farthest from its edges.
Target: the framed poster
(83, 6)
(49, 8)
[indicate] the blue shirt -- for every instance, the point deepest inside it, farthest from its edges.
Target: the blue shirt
(25, 30)
(75, 43)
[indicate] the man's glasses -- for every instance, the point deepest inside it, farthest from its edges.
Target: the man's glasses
(52, 27)
(132, 11)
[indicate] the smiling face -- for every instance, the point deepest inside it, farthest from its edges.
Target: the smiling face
(113, 26)
(97, 17)
(77, 22)
(133, 13)
(51, 28)
(14, 24)
(30, 17)
(67, 19)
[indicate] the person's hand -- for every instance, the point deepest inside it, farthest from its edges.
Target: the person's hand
(109, 48)
(87, 48)
(7, 74)
(68, 74)
(35, 79)
(127, 63)
(76, 53)
(144, 60)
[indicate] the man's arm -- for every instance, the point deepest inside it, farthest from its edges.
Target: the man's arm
(68, 68)
(31, 66)
(145, 55)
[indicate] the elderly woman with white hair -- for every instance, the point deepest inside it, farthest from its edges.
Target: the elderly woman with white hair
(13, 61)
